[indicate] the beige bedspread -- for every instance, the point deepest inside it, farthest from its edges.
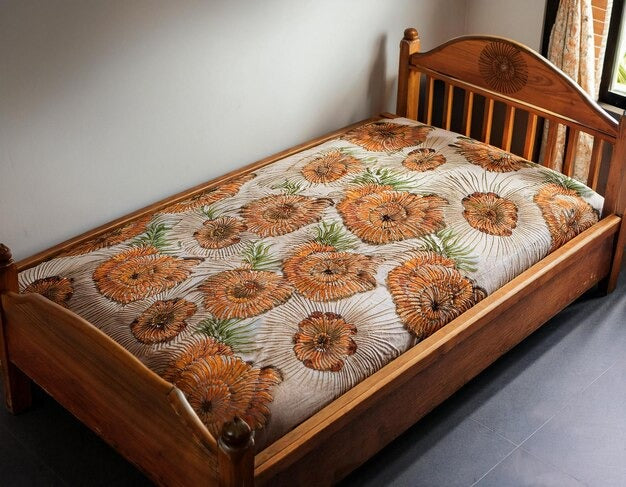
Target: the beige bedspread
(275, 293)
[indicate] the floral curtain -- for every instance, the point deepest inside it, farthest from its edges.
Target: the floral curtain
(572, 49)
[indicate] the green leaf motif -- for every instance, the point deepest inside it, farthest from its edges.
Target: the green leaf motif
(209, 211)
(232, 332)
(449, 245)
(257, 255)
(385, 176)
(334, 235)
(351, 151)
(154, 236)
(289, 187)
(566, 182)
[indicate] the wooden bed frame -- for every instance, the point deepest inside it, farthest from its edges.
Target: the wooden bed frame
(149, 421)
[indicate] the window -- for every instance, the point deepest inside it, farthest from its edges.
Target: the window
(612, 91)
(613, 85)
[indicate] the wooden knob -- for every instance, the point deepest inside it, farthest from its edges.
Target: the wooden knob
(236, 433)
(410, 34)
(5, 254)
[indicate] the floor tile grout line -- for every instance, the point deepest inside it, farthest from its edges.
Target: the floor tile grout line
(491, 469)
(566, 405)
(556, 467)
(520, 445)
(598, 378)
(495, 432)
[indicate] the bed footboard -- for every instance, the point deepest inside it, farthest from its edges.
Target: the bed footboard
(141, 415)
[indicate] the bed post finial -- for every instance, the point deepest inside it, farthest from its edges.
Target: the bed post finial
(5, 255)
(235, 455)
(410, 34)
(16, 384)
(408, 79)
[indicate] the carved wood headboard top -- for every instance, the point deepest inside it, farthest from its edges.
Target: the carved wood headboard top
(513, 70)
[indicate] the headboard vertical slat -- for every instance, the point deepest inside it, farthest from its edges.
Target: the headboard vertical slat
(468, 109)
(507, 133)
(550, 151)
(570, 152)
(430, 90)
(487, 120)
(531, 135)
(594, 164)
(448, 100)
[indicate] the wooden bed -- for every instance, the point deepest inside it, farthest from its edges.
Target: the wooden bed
(149, 421)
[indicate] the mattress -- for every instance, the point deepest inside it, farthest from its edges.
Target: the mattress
(276, 292)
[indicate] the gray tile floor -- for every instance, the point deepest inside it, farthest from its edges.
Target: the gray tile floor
(552, 412)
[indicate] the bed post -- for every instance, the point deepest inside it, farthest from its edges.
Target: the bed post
(235, 455)
(615, 202)
(408, 79)
(16, 383)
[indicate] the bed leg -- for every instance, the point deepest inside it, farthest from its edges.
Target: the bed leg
(608, 284)
(235, 455)
(17, 393)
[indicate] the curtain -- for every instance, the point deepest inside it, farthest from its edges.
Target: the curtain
(572, 49)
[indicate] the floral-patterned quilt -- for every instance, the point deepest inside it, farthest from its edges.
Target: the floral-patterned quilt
(281, 289)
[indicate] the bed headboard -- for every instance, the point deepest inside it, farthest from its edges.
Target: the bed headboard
(499, 79)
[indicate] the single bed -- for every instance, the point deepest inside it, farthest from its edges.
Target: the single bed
(281, 324)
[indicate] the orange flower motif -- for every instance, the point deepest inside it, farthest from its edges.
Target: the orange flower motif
(386, 136)
(321, 273)
(57, 289)
(423, 160)
(276, 215)
(489, 213)
(191, 354)
(323, 341)
(112, 237)
(379, 214)
(220, 387)
(220, 232)
(162, 321)
(489, 157)
(243, 293)
(565, 213)
(330, 166)
(140, 272)
(429, 293)
(212, 195)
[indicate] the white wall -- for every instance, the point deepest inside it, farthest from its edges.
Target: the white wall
(107, 106)
(518, 20)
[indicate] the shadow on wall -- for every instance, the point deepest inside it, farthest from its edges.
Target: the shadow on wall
(380, 89)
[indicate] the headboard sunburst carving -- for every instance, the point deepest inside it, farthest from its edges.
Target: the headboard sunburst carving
(503, 68)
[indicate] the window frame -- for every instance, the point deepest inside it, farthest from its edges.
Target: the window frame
(606, 95)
